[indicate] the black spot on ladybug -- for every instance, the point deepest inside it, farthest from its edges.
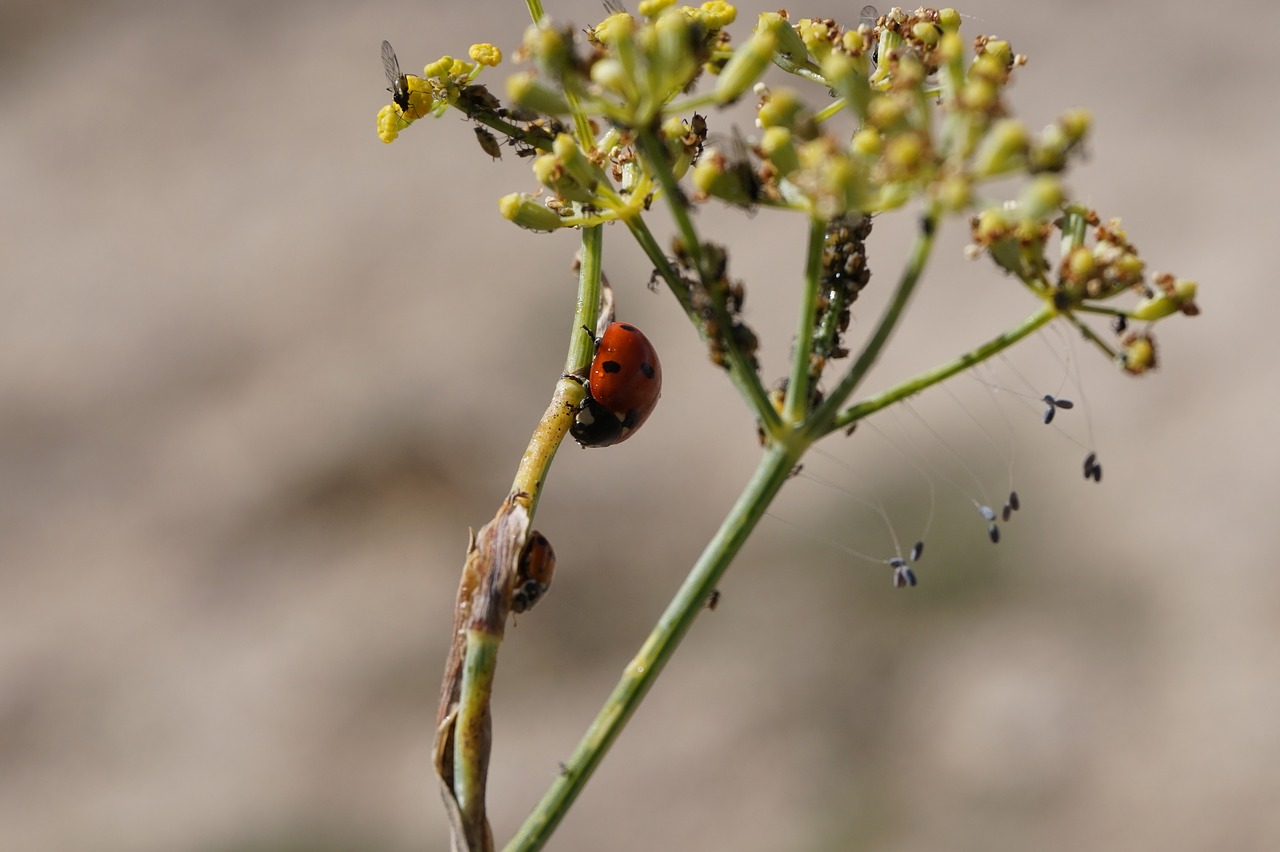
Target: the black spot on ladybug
(647, 369)
(629, 327)
(611, 367)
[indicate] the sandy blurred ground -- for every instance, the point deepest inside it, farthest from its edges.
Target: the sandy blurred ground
(259, 373)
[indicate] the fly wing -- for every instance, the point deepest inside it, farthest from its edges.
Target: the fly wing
(389, 62)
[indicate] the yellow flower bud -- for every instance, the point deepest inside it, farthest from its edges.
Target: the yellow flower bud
(717, 14)
(485, 54)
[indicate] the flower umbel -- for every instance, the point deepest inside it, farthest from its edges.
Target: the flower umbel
(892, 111)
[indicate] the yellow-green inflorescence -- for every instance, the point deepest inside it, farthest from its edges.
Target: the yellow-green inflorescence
(878, 114)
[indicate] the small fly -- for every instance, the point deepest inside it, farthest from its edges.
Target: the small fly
(399, 87)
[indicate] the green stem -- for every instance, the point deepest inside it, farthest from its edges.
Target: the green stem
(471, 745)
(547, 437)
(774, 468)
(535, 10)
(740, 370)
(823, 418)
(914, 385)
(660, 262)
(797, 400)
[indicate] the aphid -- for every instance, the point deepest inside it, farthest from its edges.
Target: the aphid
(1119, 324)
(534, 572)
(399, 87)
(917, 551)
(489, 143)
(698, 132)
(1013, 501)
(987, 512)
(625, 383)
(713, 599)
(1006, 513)
(993, 533)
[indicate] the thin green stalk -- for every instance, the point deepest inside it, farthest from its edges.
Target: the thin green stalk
(471, 751)
(914, 385)
(740, 371)
(797, 399)
(535, 10)
(546, 439)
(820, 423)
(774, 468)
(649, 244)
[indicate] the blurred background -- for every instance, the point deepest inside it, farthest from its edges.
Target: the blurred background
(260, 372)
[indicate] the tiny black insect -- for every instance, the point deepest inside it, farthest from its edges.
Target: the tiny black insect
(399, 87)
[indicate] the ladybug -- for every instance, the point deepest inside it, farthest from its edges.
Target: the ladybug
(534, 571)
(624, 386)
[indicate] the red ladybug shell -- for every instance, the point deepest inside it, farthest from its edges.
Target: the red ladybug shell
(625, 383)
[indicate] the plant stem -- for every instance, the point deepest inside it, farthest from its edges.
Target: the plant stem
(797, 399)
(555, 423)
(914, 385)
(740, 370)
(823, 418)
(774, 468)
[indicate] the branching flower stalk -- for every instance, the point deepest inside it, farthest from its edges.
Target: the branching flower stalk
(896, 112)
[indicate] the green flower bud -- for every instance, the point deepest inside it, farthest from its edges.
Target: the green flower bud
(531, 93)
(925, 33)
(1075, 124)
(780, 150)
(954, 193)
(575, 163)
(745, 67)
(673, 61)
(848, 76)
(551, 173)
(1042, 198)
(1004, 149)
(527, 212)
(551, 49)
(610, 74)
(780, 109)
(789, 44)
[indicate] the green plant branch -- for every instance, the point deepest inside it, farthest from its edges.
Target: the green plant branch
(554, 425)
(740, 369)
(823, 418)
(774, 468)
(649, 244)
(796, 404)
(916, 384)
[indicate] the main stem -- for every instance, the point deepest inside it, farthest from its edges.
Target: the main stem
(644, 668)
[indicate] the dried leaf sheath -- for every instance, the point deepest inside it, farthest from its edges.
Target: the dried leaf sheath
(463, 722)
